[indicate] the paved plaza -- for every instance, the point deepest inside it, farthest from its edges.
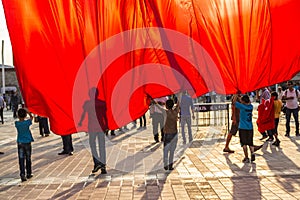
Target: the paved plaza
(135, 170)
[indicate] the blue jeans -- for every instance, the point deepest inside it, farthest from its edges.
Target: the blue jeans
(186, 120)
(99, 158)
(24, 153)
(170, 143)
(288, 118)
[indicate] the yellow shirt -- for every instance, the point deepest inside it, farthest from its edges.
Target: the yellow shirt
(277, 108)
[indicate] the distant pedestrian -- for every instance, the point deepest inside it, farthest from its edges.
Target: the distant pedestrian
(43, 126)
(2, 106)
(24, 139)
(277, 110)
(143, 122)
(291, 96)
(186, 108)
(67, 145)
(15, 101)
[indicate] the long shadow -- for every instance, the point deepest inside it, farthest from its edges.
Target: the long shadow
(278, 162)
(246, 182)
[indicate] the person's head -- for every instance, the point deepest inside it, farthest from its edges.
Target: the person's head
(275, 95)
(290, 84)
(245, 99)
(22, 113)
(93, 93)
(279, 88)
(169, 104)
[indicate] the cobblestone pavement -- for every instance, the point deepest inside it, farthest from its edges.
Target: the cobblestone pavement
(202, 170)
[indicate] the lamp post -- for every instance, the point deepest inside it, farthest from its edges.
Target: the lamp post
(3, 68)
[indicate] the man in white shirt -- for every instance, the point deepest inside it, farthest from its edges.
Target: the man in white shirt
(158, 118)
(291, 96)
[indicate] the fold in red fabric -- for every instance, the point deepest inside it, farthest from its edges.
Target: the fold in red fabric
(134, 50)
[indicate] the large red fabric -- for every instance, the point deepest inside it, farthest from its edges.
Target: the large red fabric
(132, 50)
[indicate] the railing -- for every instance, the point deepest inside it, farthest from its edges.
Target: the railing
(212, 114)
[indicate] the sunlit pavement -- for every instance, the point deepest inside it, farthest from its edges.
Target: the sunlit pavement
(202, 170)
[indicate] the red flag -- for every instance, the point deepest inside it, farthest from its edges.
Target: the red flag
(134, 50)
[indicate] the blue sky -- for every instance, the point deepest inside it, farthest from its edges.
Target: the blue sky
(5, 36)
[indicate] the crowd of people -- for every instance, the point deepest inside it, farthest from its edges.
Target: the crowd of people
(165, 112)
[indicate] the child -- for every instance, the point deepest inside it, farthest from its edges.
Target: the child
(24, 140)
(170, 131)
(277, 110)
(245, 126)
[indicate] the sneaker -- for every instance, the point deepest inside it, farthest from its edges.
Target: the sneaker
(71, 153)
(29, 176)
(103, 171)
(246, 160)
(263, 137)
(228, 150)
(256, 148)
(252, 157)
(96, 168)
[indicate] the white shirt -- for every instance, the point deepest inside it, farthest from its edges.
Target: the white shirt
(160, 100)
(291, 103)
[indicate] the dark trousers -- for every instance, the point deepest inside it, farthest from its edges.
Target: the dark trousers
(1, 115)
(43, 125)
(143, 119)
(24, 154)
(288, 118)
(67, 143)
(15, 109)
(170, 143)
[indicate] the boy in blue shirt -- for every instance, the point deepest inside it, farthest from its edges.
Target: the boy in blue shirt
(246, 126)
(24, 140)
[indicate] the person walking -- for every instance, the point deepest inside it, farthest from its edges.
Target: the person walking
(186, 108)
(2, 106)
(158, 117)
(97, 127)
(277, 110)
(291, 96)
(43, 126)
(67, 145)
(24, 139)
(15, 101)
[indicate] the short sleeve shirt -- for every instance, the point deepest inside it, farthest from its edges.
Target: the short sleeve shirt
(24, 133)
(245, 115)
